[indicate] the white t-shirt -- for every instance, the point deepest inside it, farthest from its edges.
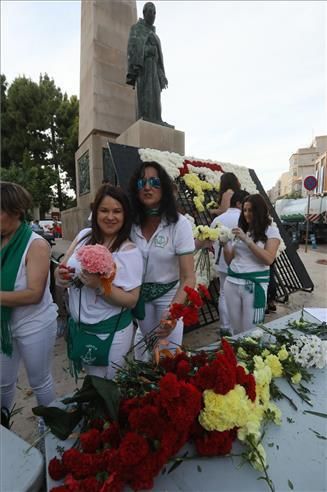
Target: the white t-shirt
(160, 253)
(245, 261)
(29, 319)
(228, 219)
(93, 308)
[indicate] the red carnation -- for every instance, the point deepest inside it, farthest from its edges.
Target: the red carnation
(147, 421)
(203, 291)
(214, 443)
(113, 484)
(90, 484)
(169, 387)
(111, 435)
(133, 449)
(56, 469)
(190, 316)
(193, 297)
(228, 351)
(90, 440)
(183, 369)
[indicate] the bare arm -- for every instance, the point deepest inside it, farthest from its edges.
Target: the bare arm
(224, 204)
(187, 276)
(37, 269)
(267, 254)
(228, 253)
(62, 276)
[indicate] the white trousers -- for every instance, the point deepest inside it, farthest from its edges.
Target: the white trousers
(120, 346)
(36, 351)
(239, 302)
(224, 321)
(154, 311)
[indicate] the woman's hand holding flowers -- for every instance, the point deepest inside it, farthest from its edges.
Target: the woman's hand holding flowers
(240, 234)
(64, 275)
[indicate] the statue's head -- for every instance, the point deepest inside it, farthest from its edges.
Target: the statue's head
(149, 13)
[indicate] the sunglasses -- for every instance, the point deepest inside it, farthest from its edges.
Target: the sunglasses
(153, 182)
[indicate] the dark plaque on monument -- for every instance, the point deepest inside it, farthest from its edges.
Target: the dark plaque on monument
(84, 174)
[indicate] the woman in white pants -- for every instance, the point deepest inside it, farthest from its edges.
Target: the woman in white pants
(249, 257)
(166, 241)
(28, 313)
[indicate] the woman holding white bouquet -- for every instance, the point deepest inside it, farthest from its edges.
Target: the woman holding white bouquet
(249, 257)
(102, 270)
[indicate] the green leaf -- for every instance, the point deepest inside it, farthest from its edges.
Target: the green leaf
(318, 434)
(199, 468)
(318, 414)
(60, 422)
(270, 445)
(109, 391)
(178, 461)
(291, 486)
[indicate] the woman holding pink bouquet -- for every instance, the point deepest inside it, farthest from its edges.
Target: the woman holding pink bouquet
(166, 241)
(102, 270)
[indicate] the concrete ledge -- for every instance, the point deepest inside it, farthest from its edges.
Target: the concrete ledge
(150, 135)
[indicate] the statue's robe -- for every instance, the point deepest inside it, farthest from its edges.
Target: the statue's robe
(146, 69)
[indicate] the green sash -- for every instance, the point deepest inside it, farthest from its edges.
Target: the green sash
(83, 345)
(149, 292)
(254, 279)
(10, 257)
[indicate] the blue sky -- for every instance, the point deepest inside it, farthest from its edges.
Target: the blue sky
(247, 80)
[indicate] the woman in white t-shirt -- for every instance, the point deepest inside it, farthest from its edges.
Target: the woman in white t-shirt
(28, 313)
(249, 257)
(166, 241)
(100, 327)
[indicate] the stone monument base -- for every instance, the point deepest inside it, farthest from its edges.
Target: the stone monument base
(144, 134)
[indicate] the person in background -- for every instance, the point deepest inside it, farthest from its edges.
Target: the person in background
(56, 229)
(28, 313)
(228, 219)
(228, 185)
(36, 226)
(166, 241)
(272, 292)
(103, 319)
(249, 258)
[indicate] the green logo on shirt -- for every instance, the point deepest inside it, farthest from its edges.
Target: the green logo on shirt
(160, 241)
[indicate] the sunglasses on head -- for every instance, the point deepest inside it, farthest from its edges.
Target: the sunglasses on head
(154, 182)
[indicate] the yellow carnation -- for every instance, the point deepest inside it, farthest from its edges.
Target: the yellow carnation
(282, 354)
(265, 353)
(223, 412)
(296, 378)
(242, 353)
(275, 365)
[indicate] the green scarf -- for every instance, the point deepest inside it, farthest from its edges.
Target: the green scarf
(255, 279)
(11, 256)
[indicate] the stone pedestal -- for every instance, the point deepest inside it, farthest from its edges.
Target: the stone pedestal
(150, 135)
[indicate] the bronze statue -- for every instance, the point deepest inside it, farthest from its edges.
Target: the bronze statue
(146, 67)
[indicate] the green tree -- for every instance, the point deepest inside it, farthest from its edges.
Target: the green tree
(39, 126)
(38, 180)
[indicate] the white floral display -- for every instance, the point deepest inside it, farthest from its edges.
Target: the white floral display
(173, 162)
(310, 351)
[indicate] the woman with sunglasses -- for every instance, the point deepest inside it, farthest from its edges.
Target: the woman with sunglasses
(166, 241)
(249, 258)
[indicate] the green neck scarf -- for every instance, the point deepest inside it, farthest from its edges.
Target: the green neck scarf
(253, 280)
(149, 212)
(10, 258)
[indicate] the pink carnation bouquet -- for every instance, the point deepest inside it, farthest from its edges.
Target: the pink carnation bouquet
(95, 258)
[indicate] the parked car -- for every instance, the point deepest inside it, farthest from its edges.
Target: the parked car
(45, 231)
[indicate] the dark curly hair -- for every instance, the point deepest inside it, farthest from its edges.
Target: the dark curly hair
(228, 181)
(15, 200)
(96, 236)
(168, 206)
(260, 220)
